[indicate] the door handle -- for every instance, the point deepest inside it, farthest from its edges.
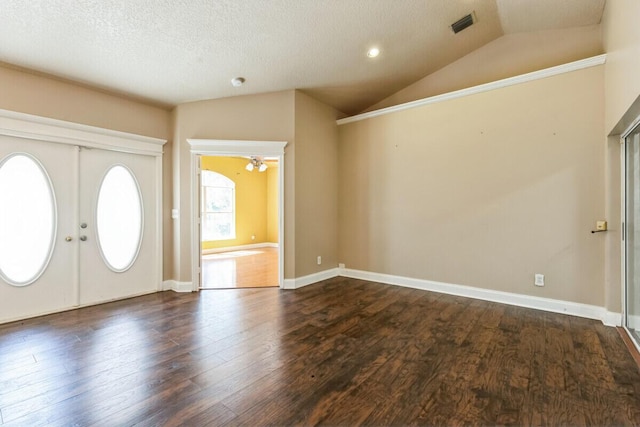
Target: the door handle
(83, 238)
(68, 238)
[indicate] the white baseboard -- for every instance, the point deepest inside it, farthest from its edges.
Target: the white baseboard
(545, 304)
(239, 248)
(300, 282)
(174, 285)
(612, 318)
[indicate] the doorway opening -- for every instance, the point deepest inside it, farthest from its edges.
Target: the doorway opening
(256, 157)
(239, 222)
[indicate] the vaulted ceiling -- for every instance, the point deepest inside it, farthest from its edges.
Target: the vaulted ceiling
(175, 51)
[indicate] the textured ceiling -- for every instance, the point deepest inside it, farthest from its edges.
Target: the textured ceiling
(527, 15)
(175, 51)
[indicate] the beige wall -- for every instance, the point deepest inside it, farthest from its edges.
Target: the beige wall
(484, 190)
(621, 38)
(507, 56)
(316, 135)
(32, 94)
(266, 117)
(273, 220)
(613, 204)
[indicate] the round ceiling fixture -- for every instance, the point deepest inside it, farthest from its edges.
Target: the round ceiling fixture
(373, 52)
(238, 81)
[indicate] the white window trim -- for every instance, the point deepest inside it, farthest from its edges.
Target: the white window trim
(233, 209)
(54, 217)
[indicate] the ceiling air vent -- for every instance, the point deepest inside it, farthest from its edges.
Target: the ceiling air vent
(464, 22)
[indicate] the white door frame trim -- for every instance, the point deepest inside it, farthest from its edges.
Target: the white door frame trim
(39, 128)
(228, 148)
(623, 220)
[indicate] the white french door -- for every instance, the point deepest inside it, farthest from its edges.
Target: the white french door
(117, 262)
(78, 226)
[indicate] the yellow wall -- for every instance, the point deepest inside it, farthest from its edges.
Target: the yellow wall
(272, 202)
(251, 200)
(484, 190)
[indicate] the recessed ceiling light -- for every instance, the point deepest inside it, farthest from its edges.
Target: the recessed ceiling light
(238, 81)
(373, 52)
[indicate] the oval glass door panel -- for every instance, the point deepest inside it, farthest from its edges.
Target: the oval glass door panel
(119, 218)
(27, 219)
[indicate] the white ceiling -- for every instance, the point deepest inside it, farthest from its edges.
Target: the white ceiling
(175, 51)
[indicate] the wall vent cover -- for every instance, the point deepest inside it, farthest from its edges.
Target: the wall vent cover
(464, 22)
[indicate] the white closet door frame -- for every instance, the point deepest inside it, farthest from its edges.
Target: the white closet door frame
(39, 128)
(623, 221)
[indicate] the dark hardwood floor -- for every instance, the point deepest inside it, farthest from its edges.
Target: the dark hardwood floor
(342, 352)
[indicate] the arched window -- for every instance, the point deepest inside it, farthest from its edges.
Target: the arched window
(218, 206)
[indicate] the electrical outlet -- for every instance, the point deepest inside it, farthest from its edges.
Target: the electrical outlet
(319, 260)
(341, 265)
(539, 280)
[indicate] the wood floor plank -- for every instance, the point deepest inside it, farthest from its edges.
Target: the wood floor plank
(340, 352)
(130, 412)
(213, 416)
(108, 384)
(306, 365)
(309, 375)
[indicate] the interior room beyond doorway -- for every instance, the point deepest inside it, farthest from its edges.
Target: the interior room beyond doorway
(239, 222)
